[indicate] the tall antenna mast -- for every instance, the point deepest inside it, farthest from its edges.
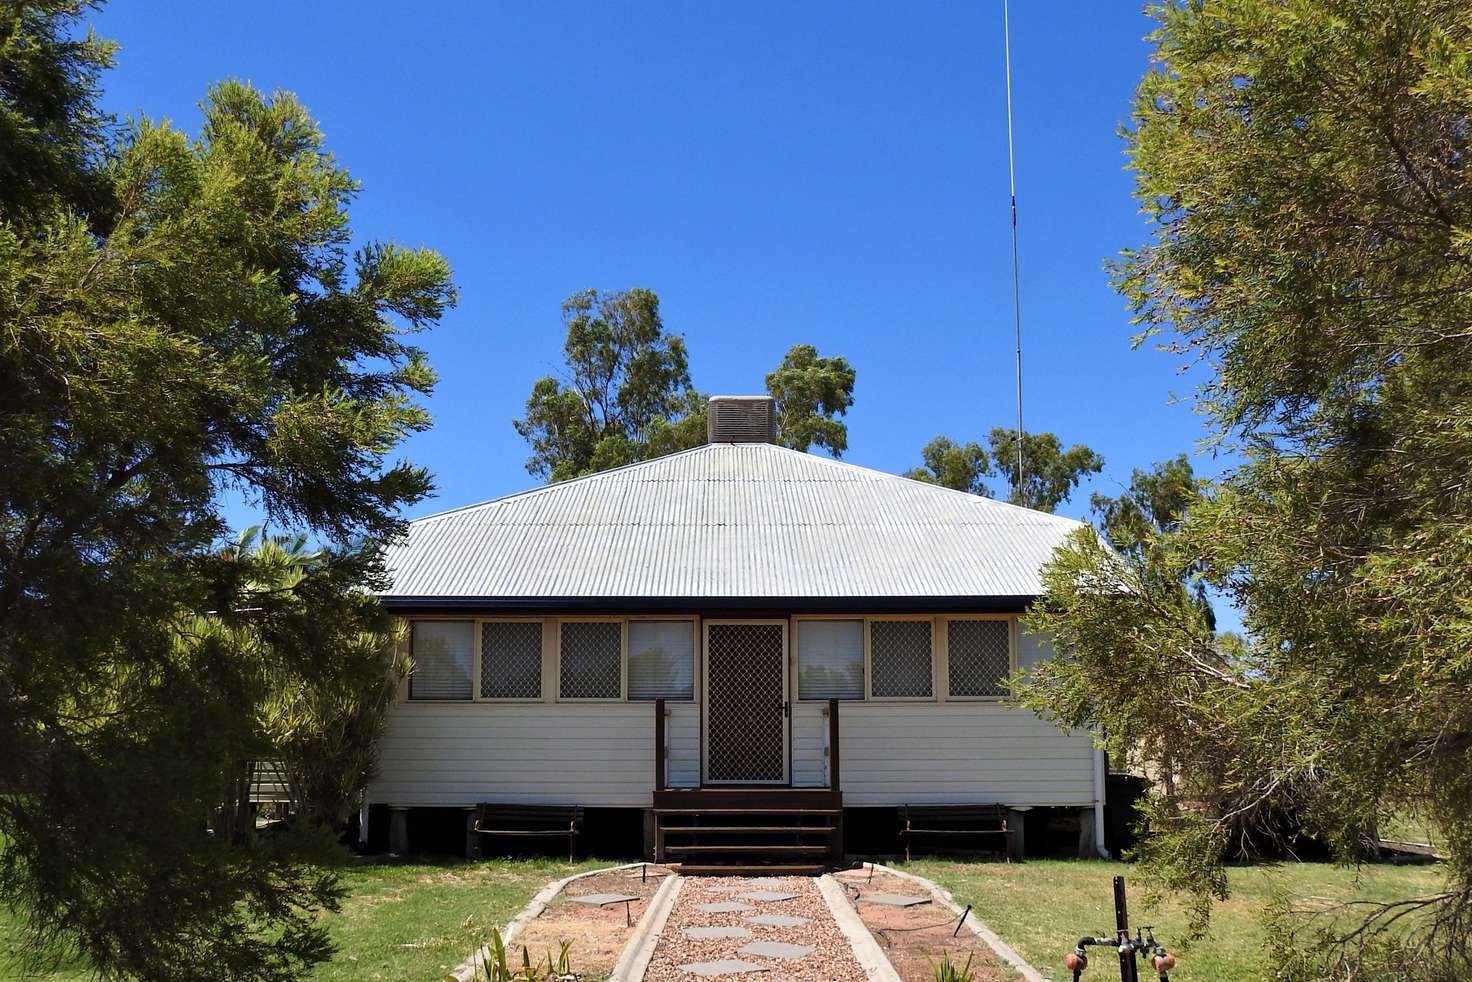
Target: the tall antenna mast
(1016, 280)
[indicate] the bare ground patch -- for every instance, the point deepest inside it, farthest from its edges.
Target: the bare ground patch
(596, 934)
(916, 938)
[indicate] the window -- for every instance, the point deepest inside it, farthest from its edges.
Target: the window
(980, 657)
(899, 659)
(591, 662)
(442, 659)
(830, 659)
(661, 660)
(511, 660)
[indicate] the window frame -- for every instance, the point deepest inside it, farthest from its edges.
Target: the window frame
(940, 669)
(935, 630)
(945, 652)
(480, 623)
(474, 659)
(794, 656)
(623, 658)
(696, 662)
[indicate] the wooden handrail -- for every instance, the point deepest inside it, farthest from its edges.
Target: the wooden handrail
(833, 779)
(659, 779)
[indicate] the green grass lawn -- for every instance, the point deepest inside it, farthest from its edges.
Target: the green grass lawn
(399, 921)
(1042, 907)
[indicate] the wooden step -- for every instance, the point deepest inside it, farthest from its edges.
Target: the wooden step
(750, 850)
(750, 869)
(747, 798)
(748, 811)
(764, 829)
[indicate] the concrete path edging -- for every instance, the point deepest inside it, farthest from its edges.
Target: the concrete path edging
(639, 949)
(943, 896)
(465, 971)
(871, 957)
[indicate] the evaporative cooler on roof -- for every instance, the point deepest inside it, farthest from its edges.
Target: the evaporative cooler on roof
(741, 419)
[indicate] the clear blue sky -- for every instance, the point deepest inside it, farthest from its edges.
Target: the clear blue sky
(777, 172)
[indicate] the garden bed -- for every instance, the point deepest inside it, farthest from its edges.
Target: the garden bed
(916, 938)
(596, 934)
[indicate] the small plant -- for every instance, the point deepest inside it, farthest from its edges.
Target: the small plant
(491, 964)
(948, 971)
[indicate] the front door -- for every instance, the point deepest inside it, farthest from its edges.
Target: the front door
(746, 702)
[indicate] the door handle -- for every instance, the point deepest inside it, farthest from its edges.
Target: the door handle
(786, 709)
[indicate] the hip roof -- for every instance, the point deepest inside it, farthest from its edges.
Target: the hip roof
(733, 522)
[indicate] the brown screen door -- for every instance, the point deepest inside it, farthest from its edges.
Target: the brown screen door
(746, 702)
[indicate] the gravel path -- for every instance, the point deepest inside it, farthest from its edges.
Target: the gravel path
(829, 957)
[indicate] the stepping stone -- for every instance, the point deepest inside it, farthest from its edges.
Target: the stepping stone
(702, 933)
(894, 899)
(775, 949)
(777, 920)
(726, 966)
(724, 907)
(767, 895)
(601, 899)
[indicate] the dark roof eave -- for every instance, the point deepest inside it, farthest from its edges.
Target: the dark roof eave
(642, 605)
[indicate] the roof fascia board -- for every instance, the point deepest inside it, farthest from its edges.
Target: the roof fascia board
(709, 606)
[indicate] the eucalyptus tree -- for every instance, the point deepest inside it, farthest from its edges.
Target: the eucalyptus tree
(1307, 170)
(1050, 473)
(625, 394)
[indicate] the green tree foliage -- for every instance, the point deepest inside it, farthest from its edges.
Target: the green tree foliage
(810, 391)
(1050, 473)
(1155, 503)
(960, 467)
(626, 394)
(204, 330)
(1142, 519)
(1306, 166)
(324, 730)
(51, 130)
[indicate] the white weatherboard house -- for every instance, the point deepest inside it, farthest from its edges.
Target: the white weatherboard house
(809, 629)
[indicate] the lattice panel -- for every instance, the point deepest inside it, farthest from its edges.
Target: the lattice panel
(899, 659)
(511, 660)
(980, 656)
(592, 660)
(744, 716)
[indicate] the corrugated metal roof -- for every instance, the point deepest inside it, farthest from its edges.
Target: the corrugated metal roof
(734, 521)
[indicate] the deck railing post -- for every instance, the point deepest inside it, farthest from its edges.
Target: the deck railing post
(659, 751)
(834, 783)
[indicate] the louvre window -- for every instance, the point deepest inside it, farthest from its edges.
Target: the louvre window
(511, 660)
(442, 653)
(661, 660)
(591, 662)
(899, 659)
(830, 659)
(980, 657)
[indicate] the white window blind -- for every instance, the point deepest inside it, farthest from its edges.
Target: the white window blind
(511, 660)
(980, 657)
(830, 659)
(591, 660)
(661, 660)
(899, 659)
(442, 653)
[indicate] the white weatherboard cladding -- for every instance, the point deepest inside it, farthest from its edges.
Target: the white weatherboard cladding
(729, 521)
(596, 755)
(945, 753)
(602, 754)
